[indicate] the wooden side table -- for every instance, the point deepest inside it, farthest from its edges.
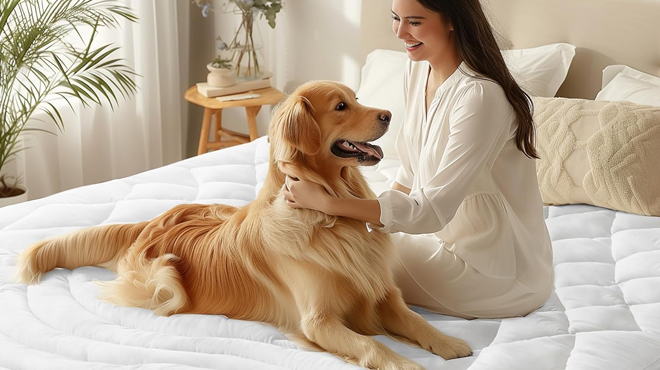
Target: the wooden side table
(214, 107)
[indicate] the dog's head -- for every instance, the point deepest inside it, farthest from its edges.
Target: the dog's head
(321, 124)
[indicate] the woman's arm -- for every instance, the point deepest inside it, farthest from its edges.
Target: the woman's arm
(367, 210)
(306, 194)
(401, 188)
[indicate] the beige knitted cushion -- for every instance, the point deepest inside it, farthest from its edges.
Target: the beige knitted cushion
(602, 153)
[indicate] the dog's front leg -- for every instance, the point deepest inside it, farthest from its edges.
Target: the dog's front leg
(329, 333)
(400, 320)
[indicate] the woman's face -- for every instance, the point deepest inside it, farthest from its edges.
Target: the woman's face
(425, 34)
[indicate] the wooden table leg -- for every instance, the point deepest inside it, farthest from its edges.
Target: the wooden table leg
(206, 128)
(218, 125)
(252, 121)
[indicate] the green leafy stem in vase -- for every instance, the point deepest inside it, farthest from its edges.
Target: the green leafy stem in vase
(220, 62)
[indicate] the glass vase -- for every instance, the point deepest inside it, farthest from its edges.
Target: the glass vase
(246, 46)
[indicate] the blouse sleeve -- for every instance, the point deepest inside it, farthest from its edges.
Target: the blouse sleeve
(405, 174)
(479, 126)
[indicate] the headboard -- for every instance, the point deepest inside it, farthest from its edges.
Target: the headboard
(605, 32)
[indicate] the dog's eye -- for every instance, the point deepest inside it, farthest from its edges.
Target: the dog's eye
(341, 106)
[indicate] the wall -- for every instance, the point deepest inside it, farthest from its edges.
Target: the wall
(313, 40)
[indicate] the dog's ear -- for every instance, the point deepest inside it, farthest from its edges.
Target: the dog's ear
(295, 124)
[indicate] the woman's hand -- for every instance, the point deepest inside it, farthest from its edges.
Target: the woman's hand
(304, 194)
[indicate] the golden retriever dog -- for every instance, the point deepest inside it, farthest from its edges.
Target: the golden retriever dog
(325, 281)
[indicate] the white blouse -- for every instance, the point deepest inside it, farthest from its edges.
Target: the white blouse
(470, 185)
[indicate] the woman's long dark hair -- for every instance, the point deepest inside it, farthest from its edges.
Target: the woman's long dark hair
(478, 48)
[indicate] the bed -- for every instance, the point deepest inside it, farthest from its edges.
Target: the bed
(604, 312)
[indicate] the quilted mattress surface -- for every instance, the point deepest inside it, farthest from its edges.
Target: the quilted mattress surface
(603, 314)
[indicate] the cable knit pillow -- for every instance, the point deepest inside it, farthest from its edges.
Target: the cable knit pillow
(601, 153)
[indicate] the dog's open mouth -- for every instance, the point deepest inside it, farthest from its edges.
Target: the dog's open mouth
(360, 150)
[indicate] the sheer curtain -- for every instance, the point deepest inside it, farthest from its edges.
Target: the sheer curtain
(142, 133)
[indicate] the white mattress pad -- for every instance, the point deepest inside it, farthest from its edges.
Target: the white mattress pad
(603, 314)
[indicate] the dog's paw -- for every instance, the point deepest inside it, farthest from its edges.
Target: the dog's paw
(449, 347)
(395, 365)
(409, 365)
(385, 360)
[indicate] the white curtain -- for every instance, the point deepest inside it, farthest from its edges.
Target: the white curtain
(145, 132)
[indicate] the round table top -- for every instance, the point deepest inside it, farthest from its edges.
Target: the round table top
(267, 96)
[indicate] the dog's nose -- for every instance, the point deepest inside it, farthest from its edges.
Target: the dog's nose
(385, 117)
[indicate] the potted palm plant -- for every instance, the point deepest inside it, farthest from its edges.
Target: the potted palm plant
(46, 60)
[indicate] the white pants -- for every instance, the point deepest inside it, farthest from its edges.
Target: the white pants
(432, 277)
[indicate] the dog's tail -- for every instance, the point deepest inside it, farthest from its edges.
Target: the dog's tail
(155, 284)
(96, 246)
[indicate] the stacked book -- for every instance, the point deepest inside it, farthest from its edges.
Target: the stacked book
(240, 87)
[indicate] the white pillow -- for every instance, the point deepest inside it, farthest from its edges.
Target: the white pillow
(628, 84)
(540, 71)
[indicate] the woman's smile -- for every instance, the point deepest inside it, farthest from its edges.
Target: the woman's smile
(410, 46)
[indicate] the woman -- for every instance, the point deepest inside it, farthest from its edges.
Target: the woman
(465, 208)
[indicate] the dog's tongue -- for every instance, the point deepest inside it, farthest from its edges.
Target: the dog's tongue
(370, 149)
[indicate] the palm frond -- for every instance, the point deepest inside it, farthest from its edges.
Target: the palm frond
(39, 61)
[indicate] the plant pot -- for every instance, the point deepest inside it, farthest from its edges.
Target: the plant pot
(6, 201)
(220, 77)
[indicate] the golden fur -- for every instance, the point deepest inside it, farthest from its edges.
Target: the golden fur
(324, 280)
